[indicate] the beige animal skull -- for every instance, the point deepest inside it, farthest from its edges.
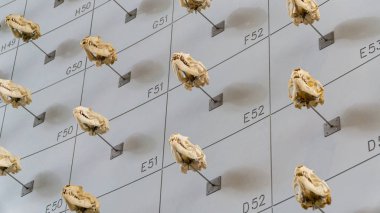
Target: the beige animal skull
(190, 156)
(90, 121)
(98, 50)
(14, 94)
(195, 5)
(190, 72)
(79, 200)
(303, 11)
(310, 190)
(304, 90)
(8, 162)
(23, 28)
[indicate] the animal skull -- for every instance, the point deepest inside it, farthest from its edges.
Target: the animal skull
(8, 162)
(14, 94)
(79, 200)
(98, 50)
(304, 90)
(190, 156)
(303, 11)
(190, 72)
(23, 28)
(310, 190)
(195, 5)
(90, 121)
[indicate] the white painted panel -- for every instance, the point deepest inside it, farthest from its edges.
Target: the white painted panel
(6, 64)
(50, 171)
(142, 130)
(140, 196)
(58, 102)
(242, 160)
(65, 40)
(192, 34)
(297, 135)
(355, 27)
(148, 67)
(109, 22)
(53, 18)
(244, 87)
(254, 151)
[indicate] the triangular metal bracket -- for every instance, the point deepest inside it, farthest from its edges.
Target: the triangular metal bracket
(217, 186)
(330, 39)
(49, 57)
(328, 130)
(132, 15)
(58, 2)
(119, 151)
(40, 120)
(215, 31)
(28, 190)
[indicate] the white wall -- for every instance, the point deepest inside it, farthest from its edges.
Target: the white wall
(256, 157)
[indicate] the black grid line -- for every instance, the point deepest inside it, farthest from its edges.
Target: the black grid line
(7, 3)
(352, 167)
(13, 48)
(270, 111)
(49, 147)
(164, 93)
(166, 109)
(143, 177)
(216, 142)
(269, 34)
(81, 98)
(273, 205)
(62, 25)
(167, 94)
(328, 179)
(281, 28)
(92, 65)
(13, 69)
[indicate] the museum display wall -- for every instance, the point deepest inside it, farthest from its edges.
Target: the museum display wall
(183, 106)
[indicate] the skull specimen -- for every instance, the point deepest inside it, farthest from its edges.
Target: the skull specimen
(190, 156)
(190, 72)
(98, 50)
(8, 162)
(79, 200)
(310, 190)
(304, 90)
(195, 5)
(303, 11)
(23, 28)
(90, 121)
(14, 94)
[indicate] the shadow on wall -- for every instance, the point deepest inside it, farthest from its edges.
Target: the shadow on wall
(244, 94)
(3, 26)
(58, 114)
(138, 143)
(245, 18)
(154, 6)
(4, 74)
(244, 179)
(367, 210)
(356, 29)
(69, 48)
(365, 117)
(147, 71)
(45, 184)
